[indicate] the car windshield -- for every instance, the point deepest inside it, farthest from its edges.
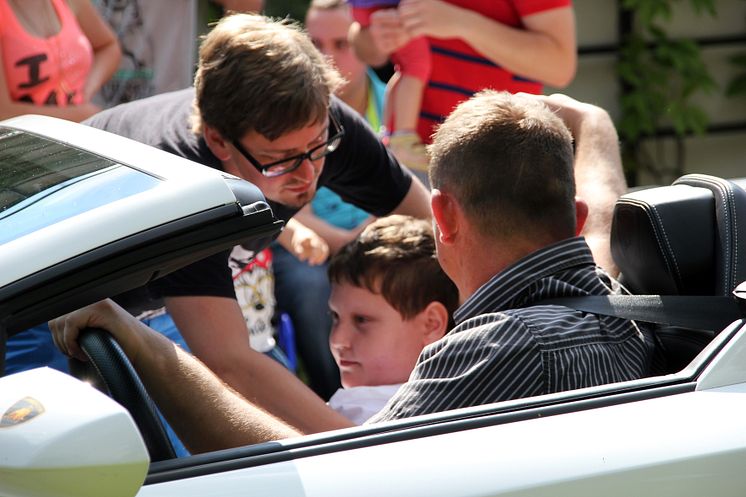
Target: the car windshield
(47, 182)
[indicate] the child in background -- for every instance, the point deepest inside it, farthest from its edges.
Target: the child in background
(328, 24)
(389, 299)
(404, 91)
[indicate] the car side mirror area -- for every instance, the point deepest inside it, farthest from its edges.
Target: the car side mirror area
(61, 437)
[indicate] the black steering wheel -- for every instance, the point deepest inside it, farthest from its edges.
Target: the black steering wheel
(109, 369)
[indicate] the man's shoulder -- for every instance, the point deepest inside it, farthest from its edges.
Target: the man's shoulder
(161, 121)
(557, 327)
(181, 99)
(361, 170)
(543, 326)
(347, 116)
(492, 328)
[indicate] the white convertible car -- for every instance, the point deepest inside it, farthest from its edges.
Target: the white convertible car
(86, 215)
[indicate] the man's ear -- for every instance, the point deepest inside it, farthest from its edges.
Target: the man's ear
(445, 215)
(581, 214)
(215, 141)
(435, 321)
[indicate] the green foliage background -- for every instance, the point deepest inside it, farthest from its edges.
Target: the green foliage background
(662, 75)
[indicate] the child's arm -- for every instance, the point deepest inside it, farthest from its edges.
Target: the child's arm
(335, 237)
(304, 243)
(598, 170)
(385, 34)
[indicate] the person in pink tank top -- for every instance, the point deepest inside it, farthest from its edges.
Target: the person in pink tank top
(54, 56)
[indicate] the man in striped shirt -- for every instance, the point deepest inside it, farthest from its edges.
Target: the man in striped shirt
(506, 219)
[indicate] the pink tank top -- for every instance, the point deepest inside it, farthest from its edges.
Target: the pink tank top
(45, 71)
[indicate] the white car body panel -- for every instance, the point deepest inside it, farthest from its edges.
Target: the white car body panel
(35, 454)
(185, 188)
(275, 480)
(727, 368)
(686, 444)
(613, 451)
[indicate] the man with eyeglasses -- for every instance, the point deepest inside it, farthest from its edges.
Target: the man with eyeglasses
(262, 109)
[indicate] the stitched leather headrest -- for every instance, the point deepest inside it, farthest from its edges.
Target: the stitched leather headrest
(685, 239)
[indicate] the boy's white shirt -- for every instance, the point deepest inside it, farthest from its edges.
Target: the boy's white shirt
(360, 403)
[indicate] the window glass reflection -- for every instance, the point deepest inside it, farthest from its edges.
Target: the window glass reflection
(43, 182)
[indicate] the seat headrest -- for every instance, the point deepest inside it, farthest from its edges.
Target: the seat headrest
(685, 239)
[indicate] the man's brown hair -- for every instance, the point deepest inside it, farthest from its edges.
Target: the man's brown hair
(395, 257)
(509, 161)
(260, 74)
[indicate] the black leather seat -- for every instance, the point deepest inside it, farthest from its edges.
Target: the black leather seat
(685, 239)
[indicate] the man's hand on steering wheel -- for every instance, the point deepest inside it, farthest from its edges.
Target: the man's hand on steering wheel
(130, 333)
(112, 356)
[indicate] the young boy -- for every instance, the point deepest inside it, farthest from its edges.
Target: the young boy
(389, 299)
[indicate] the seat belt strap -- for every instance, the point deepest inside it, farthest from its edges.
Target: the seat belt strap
(693, 312)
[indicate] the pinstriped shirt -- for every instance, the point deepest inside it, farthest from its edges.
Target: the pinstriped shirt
(506, 347)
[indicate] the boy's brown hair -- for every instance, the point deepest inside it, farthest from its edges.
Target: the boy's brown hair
(395, 257)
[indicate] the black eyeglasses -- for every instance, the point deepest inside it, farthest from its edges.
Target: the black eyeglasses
(290, 164)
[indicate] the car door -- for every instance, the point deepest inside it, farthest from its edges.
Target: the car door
(673, 435)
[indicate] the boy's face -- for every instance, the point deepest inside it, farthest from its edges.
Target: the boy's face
(371, 342)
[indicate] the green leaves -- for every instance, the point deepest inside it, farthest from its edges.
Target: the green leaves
(662, 74)
(661, 77)
(647, 11)
(737, 86)
(704, 6)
